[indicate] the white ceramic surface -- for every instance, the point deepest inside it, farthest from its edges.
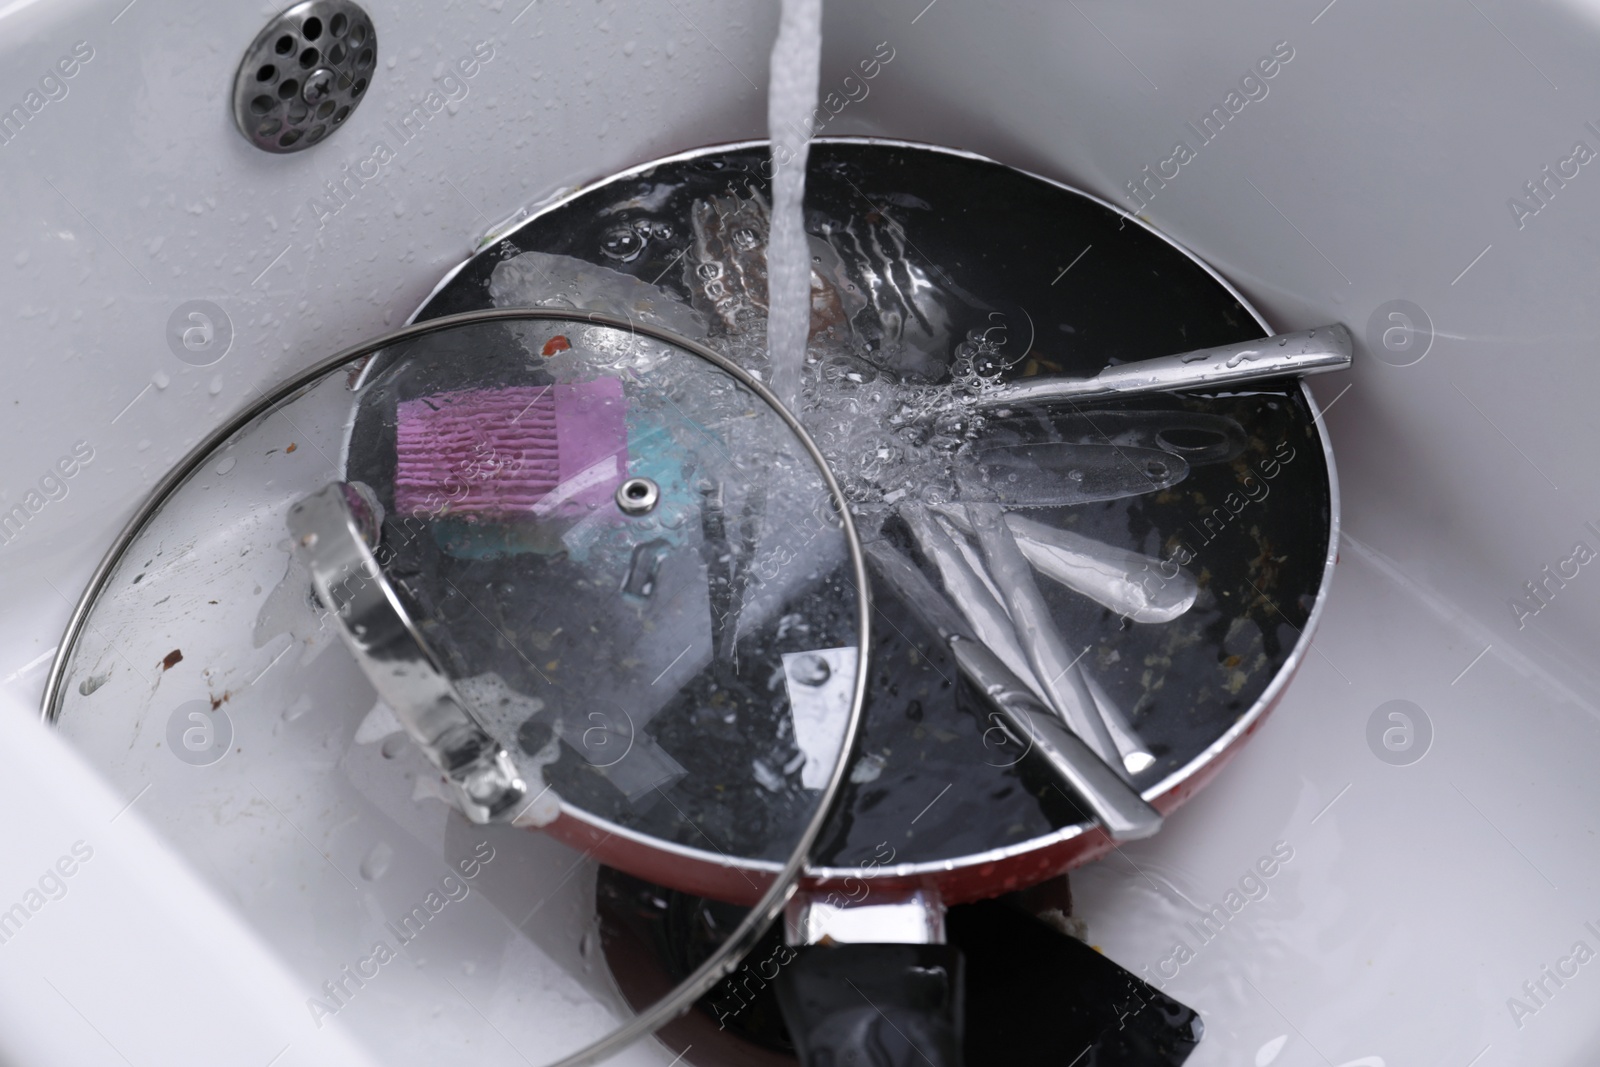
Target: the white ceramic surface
(126, 956)
(1379, 166)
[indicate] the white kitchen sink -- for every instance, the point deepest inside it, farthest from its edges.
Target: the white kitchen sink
(1409, 170)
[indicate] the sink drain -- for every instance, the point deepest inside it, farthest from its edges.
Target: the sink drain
(304, 74)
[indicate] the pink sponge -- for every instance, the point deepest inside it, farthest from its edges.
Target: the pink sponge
(498, 454)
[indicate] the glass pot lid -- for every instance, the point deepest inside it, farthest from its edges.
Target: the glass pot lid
(511, 569)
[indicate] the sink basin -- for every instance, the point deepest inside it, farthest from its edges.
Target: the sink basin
(1423, 794)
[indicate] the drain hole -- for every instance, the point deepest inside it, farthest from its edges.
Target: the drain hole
(304, 75)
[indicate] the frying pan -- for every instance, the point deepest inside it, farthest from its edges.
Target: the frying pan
(1258, 521)
(1030, 280)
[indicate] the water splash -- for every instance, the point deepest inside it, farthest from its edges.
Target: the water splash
(791, 103)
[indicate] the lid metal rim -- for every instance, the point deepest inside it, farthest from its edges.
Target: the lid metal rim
(750, 930)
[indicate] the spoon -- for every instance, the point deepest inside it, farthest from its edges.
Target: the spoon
(1315, 351)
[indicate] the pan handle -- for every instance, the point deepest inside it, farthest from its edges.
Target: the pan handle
(876, 1005)
(872, 983)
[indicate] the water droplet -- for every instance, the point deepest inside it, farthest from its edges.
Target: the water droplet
(376, 863)
(226, 465)
(810, 669)
(1269, 1052)
(622, 242)
(868, 768)
(392, 745)
(766, 777)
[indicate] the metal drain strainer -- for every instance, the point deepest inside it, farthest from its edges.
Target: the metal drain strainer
(304, 74)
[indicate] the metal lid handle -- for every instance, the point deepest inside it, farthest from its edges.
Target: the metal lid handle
(333, 530)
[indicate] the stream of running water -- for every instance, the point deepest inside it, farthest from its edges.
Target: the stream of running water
(791, 101)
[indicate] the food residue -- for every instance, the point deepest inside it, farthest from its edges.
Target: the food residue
(172, 659)
(291, 448)
(556, 344)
